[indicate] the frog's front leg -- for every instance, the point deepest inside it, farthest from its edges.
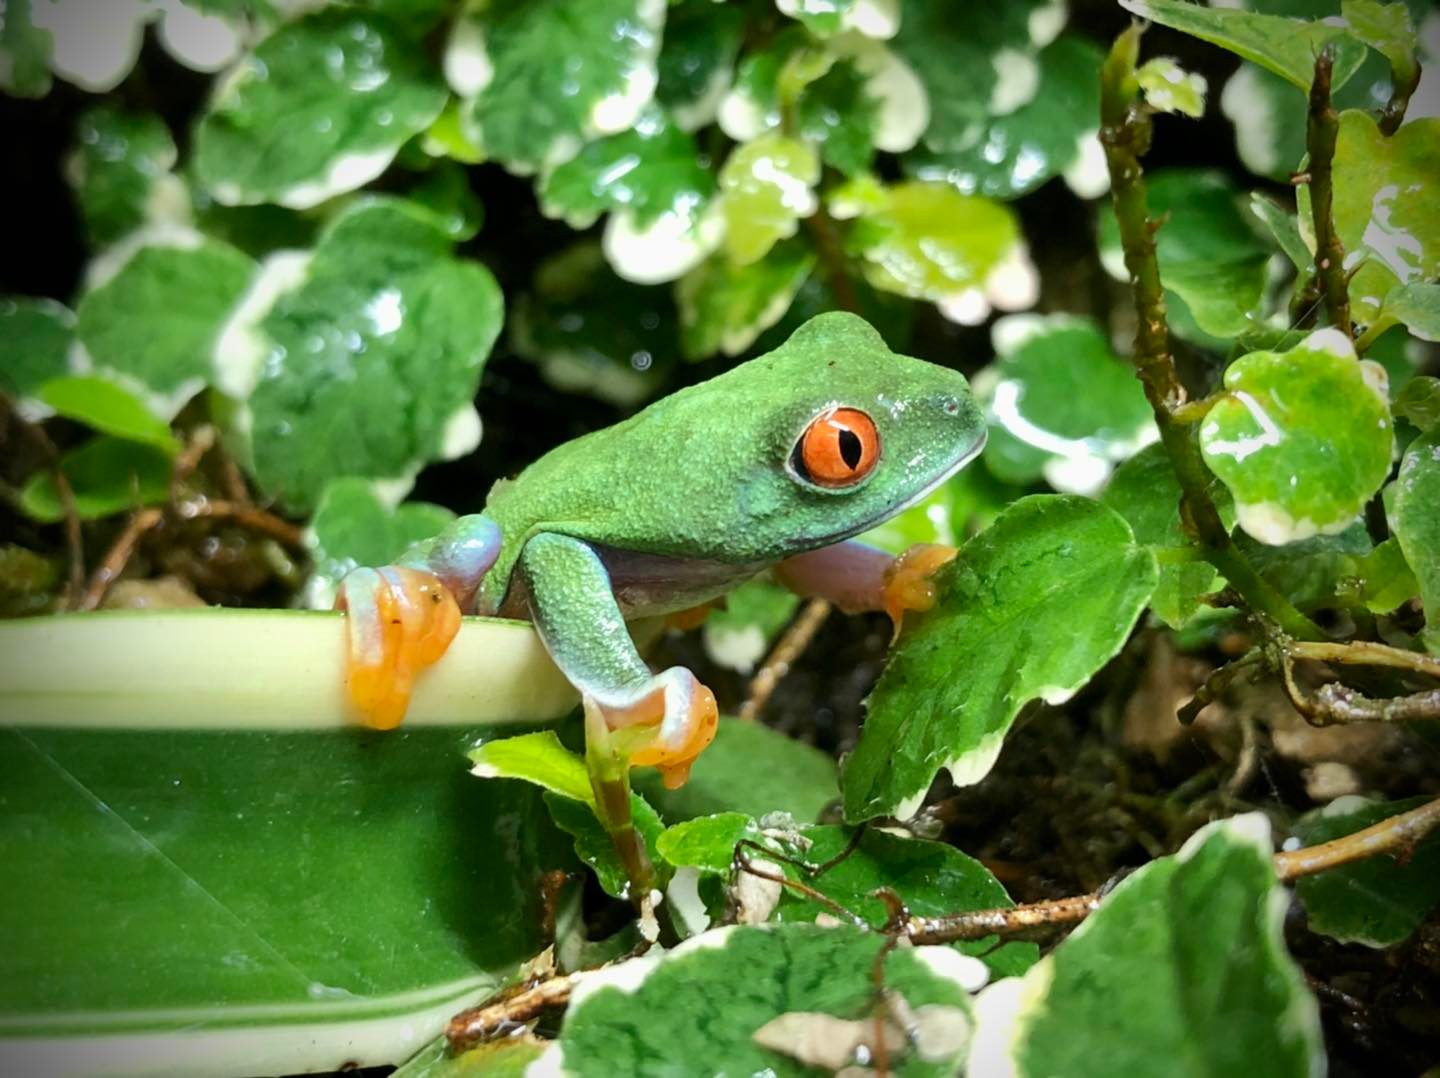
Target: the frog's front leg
(858, 577)
(662, 720)
(402, 617)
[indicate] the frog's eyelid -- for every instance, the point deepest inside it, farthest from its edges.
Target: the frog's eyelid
(837, 451)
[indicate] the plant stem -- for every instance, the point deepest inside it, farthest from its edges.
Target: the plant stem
(1321, 130)
(1404, 82)
(1125, 134)
(791, 645)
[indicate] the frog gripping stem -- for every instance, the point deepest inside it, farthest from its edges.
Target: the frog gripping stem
(401, 620)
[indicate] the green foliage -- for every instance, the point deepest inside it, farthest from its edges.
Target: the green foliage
(107, 475)
(35, 337)
(121, 169)
(1414, 506)
(352, 527)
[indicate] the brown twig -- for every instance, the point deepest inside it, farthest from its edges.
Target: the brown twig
(469, 1028)
(1321, 131)
(70, 516)
(248, 516)
(118, 556)
(1398, 836)
(1404, 81)
(1335, 703)
(1364, 653)
(1125, 130)
(1218, 681)
(792, 643)
(977, 924)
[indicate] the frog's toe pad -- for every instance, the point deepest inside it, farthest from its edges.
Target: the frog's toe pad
(400, 621)
(908, 584)
(678, 716)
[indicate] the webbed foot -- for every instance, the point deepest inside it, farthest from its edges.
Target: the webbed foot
(908, 583)
(400, 621)
(666, 725)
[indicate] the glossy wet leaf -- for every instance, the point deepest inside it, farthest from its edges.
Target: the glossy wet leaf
(925, 240)
(740, 634)
(1285, 227)
(1386, 579)
(1310, 572)
(541, 78)
(725, 306)
(367, 362)
(1146, 493)
(1386, 28)
(650, 169)
(108, 408)
(1144, 980)
(1413, 504)
(35, 338)
(1377, 902)
(1063, 406)
(1168, 87)
(1014, 153)
(1286, 46)
(1419, 402)
(25, 52)
(1047, 560)
(1209, 250)
(352, 527)
(697, 59)
(838, 114)
(1386, 207)
(107, 475)
(797, 778)
(1417, 307)
(666, 1014)
(932, 878)
(590, 331)
(767, 185)
(319, 108)
(1302, 438)
(120, 169)
(706, 843)
(156, 322)
(977, 67)
(285, 901)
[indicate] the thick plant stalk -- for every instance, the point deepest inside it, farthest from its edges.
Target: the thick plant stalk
(1321, 130)
(1125, 134)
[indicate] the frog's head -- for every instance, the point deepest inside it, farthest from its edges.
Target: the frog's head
(832, 433)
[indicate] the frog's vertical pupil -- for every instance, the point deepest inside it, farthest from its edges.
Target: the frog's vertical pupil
(850, 449)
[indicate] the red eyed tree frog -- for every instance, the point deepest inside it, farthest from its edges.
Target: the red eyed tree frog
(771, 465)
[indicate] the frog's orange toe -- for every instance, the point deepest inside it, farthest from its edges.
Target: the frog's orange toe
(400, 622)
(908, 583)
(670, 726)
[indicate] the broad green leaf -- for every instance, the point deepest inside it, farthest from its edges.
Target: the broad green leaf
(1061, 404)
(925, 240)
(590, 331)
(537, 758)
(593, 844)
(797, 778)
(649, 169)
(1386, 28)
(738, 635)
(1310, 572)
(446, 192)
(1181, 971)
(706, 843)
(1413, 504)
(368, 359)
(1385, 578)
(107, 475)
(1146, 493)
(1168, 87)
(932, 879)
(541, 78)
(1302, 438)
(1386, 206)
(975, 67)
(25, 52)
(279, 901)
(1013, 154)
(1285, 227)
(352, 527)
(1377, 902)
(319, 108)
(838, 114)
(1419, 402)
(697, 59)
(766, 184)
(1287, 47)
(35, 338)
(725, 306)
(120, 169)
(1048, 561)
(110, 409)
(1209, 250)
(711, 1005)
(753, 106)
(1417, 307)
(155, 323)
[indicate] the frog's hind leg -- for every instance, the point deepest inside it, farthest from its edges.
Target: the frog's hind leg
(402, 617)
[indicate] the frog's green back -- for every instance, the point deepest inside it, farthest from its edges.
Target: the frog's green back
(703, 473)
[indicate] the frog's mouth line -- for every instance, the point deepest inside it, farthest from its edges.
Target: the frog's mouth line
(927, 490)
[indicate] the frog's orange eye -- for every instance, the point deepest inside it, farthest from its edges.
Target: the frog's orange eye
(838, 449)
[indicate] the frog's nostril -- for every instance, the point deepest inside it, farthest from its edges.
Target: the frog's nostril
(951, 407)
